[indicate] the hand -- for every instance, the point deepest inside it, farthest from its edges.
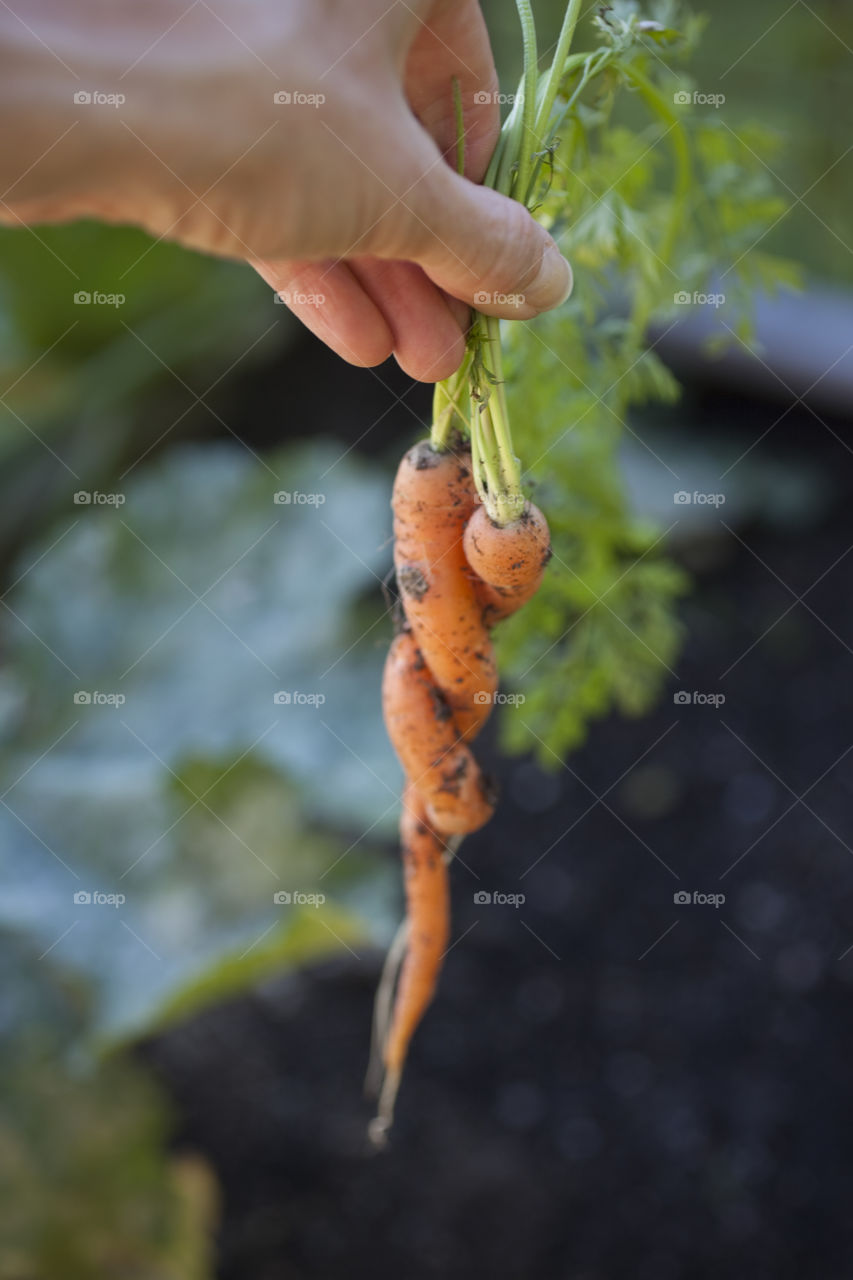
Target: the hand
(344, 197)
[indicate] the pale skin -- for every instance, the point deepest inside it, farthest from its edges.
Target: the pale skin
(352, 199)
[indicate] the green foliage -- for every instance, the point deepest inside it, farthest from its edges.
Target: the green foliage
(92, 388)
(649, 199)
(86, 1187)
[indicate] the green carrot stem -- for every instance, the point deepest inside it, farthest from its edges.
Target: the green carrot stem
(528, 140)
(555, 75)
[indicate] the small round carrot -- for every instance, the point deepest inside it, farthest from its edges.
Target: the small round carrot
(511, 555)
(508, 560)
(424, 735)
(433, 498)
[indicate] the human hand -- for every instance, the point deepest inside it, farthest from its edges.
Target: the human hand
(342, 194)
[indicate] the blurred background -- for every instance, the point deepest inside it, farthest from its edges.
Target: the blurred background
(198, 804)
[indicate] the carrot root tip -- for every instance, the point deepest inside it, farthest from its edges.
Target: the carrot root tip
(380, 1125)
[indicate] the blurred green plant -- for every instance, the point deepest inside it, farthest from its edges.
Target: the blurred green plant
(87, 1188)
(88, 388)
(753, 55)
(197, 799)
(199, 795)
(648, 196)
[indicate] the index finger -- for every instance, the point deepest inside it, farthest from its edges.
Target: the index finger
(453, 41)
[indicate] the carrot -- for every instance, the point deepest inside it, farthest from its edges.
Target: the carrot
(433, 498)
(512, 555)
(509, 560)
(428, 911)
(428, 918)
(425, 737)
(458, 572)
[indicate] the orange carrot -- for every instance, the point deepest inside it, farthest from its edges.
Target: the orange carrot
(427, 936)
(433, 498)
(428, 911)
(458, 573)
(509, 560)
(424, 735)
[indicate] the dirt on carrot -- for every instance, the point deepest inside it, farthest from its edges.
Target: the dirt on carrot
(424, 735)
(433, 498)
(508, 560)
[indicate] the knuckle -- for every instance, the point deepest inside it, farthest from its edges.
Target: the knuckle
(516, 254)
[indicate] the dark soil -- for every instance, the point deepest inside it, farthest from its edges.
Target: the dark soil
(610, 1084)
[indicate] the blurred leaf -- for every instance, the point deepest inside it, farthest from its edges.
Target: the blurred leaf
(45, 268)
(88, 388)
(85, 1187)
(310, 934)
(196, 601)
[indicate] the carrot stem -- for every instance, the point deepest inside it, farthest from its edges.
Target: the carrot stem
(530, 77)
(526, 136)
(587, 62)
(450, 406)
(555, 75)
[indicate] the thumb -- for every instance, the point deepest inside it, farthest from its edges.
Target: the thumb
(482, 247)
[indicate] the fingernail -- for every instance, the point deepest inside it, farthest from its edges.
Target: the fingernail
(554, 282)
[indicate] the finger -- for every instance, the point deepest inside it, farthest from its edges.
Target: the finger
(332, 303)
(472, 242)
(460, 310)
(429, 341)
(453, 41)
